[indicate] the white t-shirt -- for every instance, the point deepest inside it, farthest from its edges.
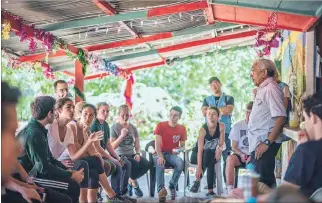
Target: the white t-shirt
(58, 148)
(239, 133)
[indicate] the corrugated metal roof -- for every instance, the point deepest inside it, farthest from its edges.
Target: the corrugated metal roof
(47, 12)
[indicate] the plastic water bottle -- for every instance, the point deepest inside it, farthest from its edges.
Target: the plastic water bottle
(251, 189)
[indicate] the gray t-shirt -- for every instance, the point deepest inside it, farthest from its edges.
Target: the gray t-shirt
(127, 146)
(239, 133)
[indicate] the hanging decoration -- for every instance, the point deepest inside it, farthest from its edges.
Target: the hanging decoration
(269, 38)
(128, 91)
(32, 45)
(71, 81)
(47, 71)
(14, 63)
(99, 64)
(79, 93)
(6, 29)
(49, 42)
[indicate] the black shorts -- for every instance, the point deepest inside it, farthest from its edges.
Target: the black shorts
(240, 160)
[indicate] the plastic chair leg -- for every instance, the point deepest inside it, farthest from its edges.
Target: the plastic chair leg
(219, 178)
(152, 181)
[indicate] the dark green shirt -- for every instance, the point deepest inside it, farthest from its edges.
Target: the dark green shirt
(97, 126)
(33, 139)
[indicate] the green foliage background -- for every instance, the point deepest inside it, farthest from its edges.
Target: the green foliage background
(186, 82)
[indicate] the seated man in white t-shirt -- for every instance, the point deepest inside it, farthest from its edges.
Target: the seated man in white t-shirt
(241, 155)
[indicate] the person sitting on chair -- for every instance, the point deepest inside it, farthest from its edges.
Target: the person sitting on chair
(208, 149)
(81, 132)
(241, 156)
(105, 149)
(170, 140)
(125, 141)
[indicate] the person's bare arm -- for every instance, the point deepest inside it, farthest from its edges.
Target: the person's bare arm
(111, 150)
(234, 146)
(117, 141)
(201, 142)
(137, 145)
(286, 92)
(22, 172)
(285, 101)
(101, 151)
(220, 146)
(158, 141)
(28, 194)
(277, 129)
(204, 110)
(227, 110)
(222, 135)
(77, 154)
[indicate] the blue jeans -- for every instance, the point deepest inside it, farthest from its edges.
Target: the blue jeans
(120, 178)
(171, 160)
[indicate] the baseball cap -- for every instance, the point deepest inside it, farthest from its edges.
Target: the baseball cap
(214, 79)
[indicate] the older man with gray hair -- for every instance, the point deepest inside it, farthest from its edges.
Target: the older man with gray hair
(266, 120)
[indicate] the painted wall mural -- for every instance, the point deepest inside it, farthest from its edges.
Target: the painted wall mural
(290, 60)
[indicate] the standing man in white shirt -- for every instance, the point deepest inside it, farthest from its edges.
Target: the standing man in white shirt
(266, 120)
(240, 147)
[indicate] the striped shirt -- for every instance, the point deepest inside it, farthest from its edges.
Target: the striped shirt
(267, 106)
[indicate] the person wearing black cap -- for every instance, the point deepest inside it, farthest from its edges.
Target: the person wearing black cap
(225, 103)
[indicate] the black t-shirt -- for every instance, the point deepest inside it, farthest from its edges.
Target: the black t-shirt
(230, 101)
(305, 167)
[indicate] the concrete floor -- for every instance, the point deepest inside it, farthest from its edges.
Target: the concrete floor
(190, 197)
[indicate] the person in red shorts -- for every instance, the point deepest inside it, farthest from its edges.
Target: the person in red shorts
(170, 139)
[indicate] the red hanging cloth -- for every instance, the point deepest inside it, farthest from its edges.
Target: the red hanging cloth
(128, 91)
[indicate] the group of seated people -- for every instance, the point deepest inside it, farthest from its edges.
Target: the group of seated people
(67, 151)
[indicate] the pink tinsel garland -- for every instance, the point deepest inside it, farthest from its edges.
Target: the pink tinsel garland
(264, 45)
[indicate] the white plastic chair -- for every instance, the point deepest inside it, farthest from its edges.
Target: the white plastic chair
(218, 169)
(317, 195)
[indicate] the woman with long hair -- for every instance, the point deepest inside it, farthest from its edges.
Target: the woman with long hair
(64, 146)
(81, 131)
(208, 149)
(125, 141)
(118, 168)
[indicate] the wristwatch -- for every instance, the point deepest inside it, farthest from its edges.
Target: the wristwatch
(267, 142)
